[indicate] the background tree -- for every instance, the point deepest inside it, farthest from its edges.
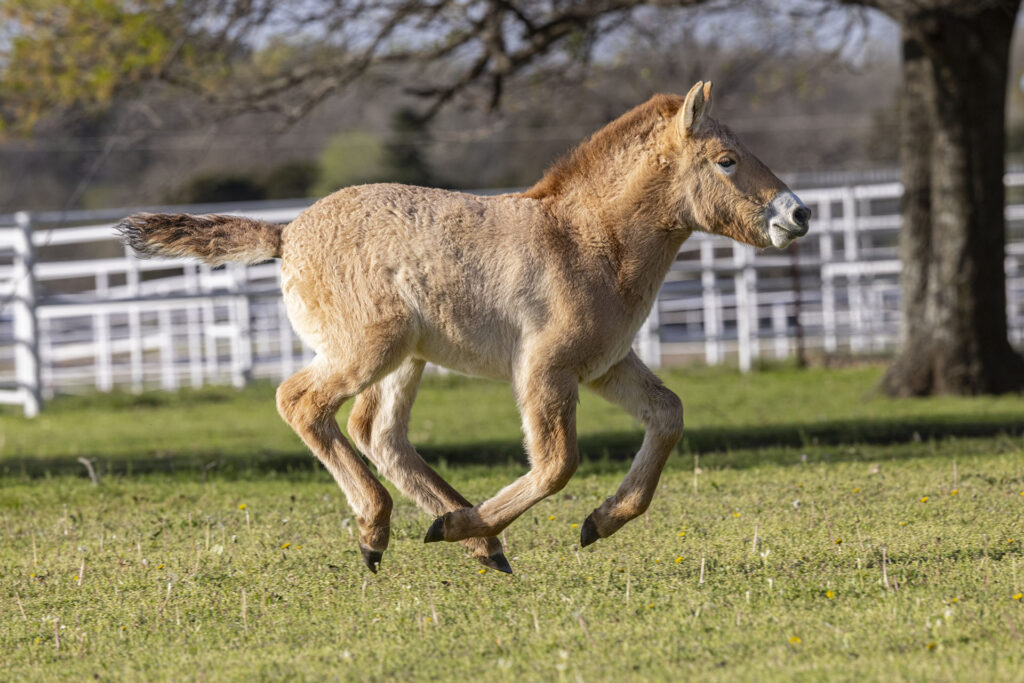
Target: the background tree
(953, 240)
(955, 58)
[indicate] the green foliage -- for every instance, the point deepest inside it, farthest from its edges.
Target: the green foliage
(350, 158)
(822, 561)
(219, 187)
(292, 179)
(403, 153)
(58, 55)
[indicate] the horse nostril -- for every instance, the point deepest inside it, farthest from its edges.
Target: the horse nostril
(801, 215)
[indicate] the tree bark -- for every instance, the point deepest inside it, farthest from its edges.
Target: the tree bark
(953, 240)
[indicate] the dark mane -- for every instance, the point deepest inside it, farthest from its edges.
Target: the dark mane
(638, 122)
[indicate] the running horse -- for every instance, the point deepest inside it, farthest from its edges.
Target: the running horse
(545, 289)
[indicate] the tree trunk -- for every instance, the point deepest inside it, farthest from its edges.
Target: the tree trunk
(955, 65)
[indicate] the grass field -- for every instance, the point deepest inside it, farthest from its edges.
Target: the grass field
(828, 533)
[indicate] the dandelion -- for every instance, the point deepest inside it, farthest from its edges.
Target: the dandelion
(75, 578)
(1018, 596)
(298, 547)
(954, 492)
(1022, 493)
(679, 559)
(551, 518)
(241, 506)
(903, 523)
(931, 646)
(124, 628)
(39, 639)
(575, 526)
(795, 640)
(924, 499)
(839, 541)
(650, 606)
(682, 534)
(856, 490)
(735, 514)
(426, 620)
(955, 600)
(482, 571)
(160, 566)
(285, 546)
(830, 594)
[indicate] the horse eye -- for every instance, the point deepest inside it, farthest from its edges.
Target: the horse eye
(727, 162)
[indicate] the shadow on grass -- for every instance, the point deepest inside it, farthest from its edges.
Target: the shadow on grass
(757, 445)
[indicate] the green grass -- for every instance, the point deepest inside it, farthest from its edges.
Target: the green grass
(823, 472)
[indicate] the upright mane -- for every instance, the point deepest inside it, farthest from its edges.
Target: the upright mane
(635, 124)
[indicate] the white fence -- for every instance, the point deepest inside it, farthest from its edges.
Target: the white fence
(78, 313)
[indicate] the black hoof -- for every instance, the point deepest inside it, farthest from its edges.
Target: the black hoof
(371, 558)
(497, 561)
(588, 534)
(436, 531)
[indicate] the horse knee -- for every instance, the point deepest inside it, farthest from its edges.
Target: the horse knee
(288, 397)
(554, 477)
(667, 416)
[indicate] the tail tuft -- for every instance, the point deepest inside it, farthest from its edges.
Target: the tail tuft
(212, 238)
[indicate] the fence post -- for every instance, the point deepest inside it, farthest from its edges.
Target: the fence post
(740, 283)
(709, 295)
(649, 338)
(26, 326)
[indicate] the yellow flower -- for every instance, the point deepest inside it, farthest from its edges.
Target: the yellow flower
(839, 541)
(1018, 596)
(856, 490)
(679, 559)
(551, 518)
(286, 545)
(903, 523)
(829, 594)
(75, 578)
(955, 600)
(795, 640)
(39, 639)
(160, 566)
(427, 620)
(657, 560)
(954, 492)
(124, 628)
(924, 499)
(241, 506)
(735, 514)
(1022, 493)
(650, 606)
(298, 547)
(575, 526)
(681, 534)
(482, 571)
(931, 646)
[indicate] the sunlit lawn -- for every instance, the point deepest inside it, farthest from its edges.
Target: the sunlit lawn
(842, 547)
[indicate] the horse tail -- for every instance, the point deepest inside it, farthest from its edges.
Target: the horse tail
(212, 238)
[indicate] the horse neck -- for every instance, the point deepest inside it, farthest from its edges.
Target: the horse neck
(634, 229)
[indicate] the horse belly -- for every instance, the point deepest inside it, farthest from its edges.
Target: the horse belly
(480, 349)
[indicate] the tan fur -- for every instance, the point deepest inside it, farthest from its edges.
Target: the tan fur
(545, 289)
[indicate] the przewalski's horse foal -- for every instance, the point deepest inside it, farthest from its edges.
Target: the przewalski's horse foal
(545, 289)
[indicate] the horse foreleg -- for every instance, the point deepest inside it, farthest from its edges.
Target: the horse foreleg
(547, 402)
(631, 385)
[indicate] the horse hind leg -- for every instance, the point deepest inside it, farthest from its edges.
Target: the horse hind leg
(379, 425)
(308, 401)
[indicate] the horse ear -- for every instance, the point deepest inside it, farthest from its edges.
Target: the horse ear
(693, 109)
